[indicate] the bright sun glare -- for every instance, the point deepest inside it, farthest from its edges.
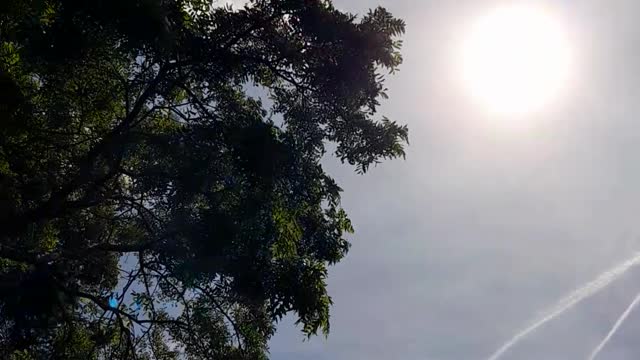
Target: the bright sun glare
(516, 60)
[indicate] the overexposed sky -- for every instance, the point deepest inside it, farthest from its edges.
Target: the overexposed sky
(486, 224)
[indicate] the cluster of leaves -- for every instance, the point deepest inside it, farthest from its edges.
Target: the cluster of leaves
(135, 170)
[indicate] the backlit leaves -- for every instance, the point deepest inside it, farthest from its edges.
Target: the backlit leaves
(166, 156)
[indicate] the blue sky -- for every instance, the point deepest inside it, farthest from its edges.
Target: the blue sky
(483, 226)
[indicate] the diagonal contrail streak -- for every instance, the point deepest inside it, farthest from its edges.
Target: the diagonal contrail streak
(569, 301)
(615, 327)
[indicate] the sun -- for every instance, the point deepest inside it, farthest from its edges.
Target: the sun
(515, 60)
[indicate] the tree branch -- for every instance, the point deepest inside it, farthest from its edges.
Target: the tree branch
(224, 313)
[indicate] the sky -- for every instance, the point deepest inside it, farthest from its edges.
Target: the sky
(490, 220)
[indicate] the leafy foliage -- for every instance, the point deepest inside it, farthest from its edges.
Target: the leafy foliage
(135, 167)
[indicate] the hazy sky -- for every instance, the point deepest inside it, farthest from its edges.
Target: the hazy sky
(485, 225)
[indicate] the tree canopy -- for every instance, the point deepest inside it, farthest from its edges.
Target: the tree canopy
(150, 206)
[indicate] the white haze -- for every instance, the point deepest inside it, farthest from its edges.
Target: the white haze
(483, 226)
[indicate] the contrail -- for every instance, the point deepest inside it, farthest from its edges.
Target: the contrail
(570, 301)
(615, 327)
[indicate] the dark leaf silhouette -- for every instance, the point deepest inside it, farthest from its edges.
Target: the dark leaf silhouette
(150, 207)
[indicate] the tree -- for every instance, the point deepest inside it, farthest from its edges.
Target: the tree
(150, 207)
